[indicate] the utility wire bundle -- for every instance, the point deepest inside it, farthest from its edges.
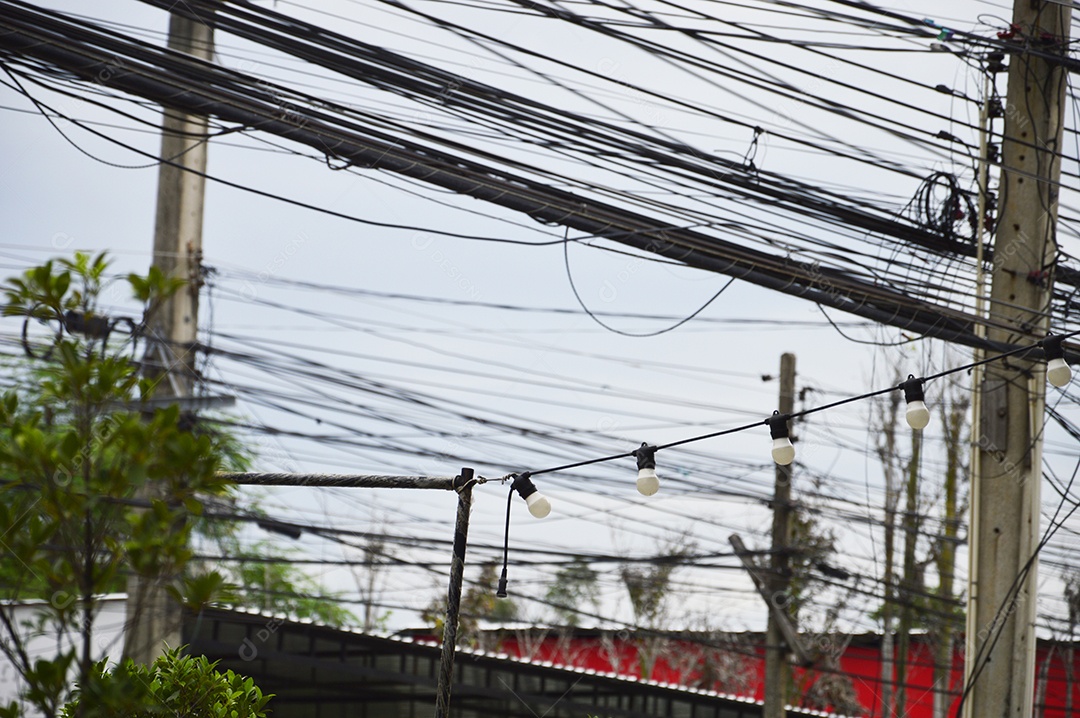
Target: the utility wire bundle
(830, 265)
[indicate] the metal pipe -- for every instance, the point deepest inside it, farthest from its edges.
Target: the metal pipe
(346, 481)
(462, 484)
(464, 487)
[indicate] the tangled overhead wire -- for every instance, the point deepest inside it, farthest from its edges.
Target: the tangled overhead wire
(943, 207)
(92, 326)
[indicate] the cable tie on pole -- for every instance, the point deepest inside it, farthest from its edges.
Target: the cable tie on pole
(464, 480)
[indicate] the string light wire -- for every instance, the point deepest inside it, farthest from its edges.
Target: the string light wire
(814, 410)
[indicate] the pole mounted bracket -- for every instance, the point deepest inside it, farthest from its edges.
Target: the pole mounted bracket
(464, 479)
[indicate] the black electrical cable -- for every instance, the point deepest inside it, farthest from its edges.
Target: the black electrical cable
(1023, 350)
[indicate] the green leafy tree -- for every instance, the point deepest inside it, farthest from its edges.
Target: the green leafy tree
(377, 557)
(573, 589)
(1071, 595)
(255, 575)
(812, 546)
(907, 596)
(175, 685)
(78, 446)
(648, 586)
(945, 616)
(478, 602)
(265, 579)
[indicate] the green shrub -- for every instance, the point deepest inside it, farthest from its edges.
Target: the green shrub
(175, 685)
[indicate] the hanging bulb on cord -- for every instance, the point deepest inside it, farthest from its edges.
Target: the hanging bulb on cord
(648, 483)
(1058, 372)
(539, 507)
(538, 504)
(918, 416)
(783, 451)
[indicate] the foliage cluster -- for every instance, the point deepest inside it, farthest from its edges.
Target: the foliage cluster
(175, 685)
(97, 485)
(80, 450)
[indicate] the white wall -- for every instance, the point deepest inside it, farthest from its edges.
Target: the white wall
(107, 641)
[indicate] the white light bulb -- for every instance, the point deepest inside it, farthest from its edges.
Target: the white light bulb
(783, 452)
(918, 416)
(538, 505)
(1058, 372)
(648, 483)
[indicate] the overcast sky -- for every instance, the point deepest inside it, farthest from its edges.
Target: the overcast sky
(558, 372)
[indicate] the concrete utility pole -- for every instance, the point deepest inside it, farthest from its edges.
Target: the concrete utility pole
(1000, 665)
(153, 619)
(179, 222)
(777, 667)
